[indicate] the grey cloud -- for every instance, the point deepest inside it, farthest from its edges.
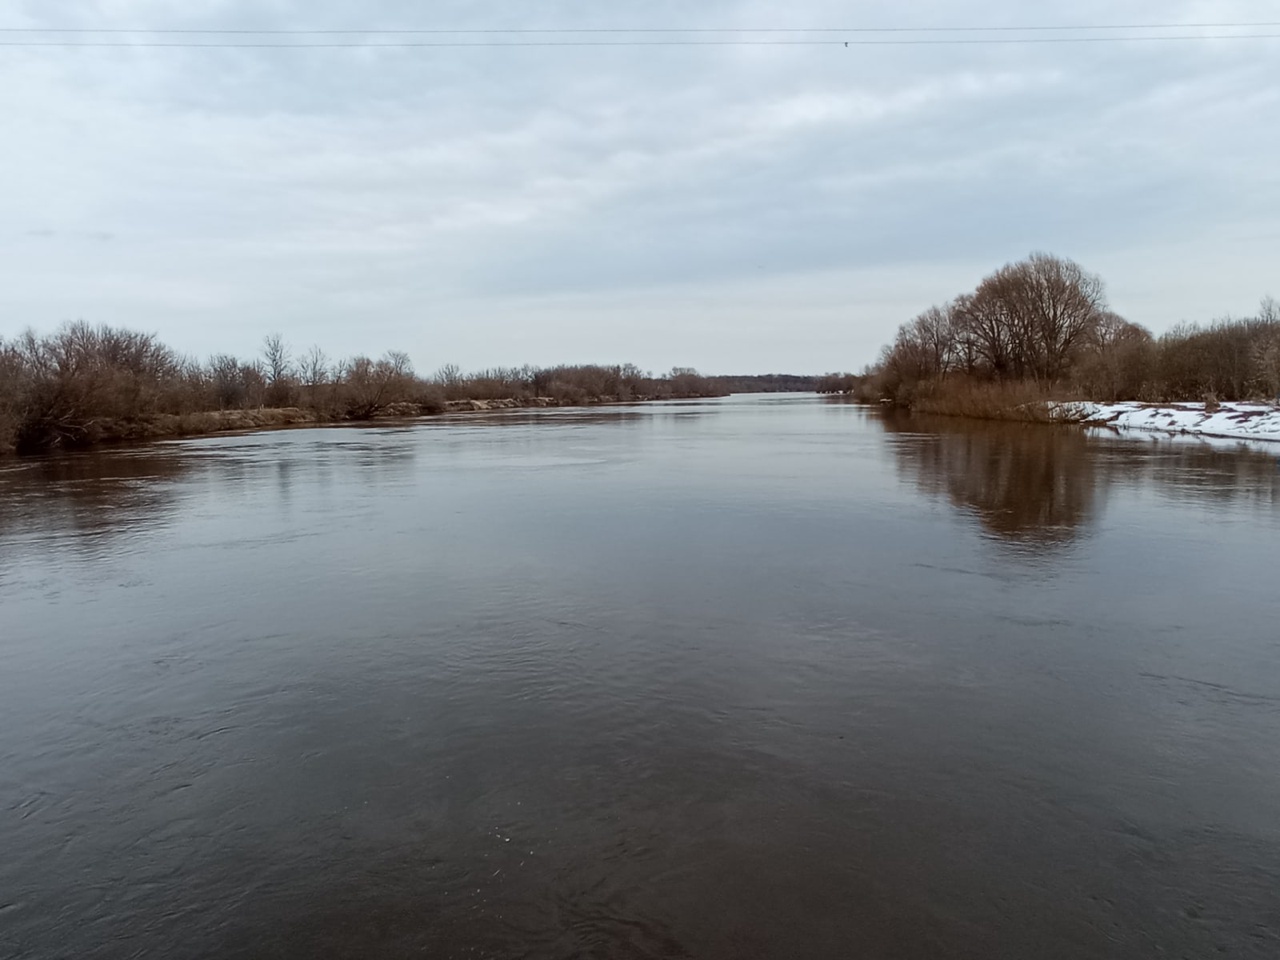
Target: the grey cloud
(44, 233)
(445, 198)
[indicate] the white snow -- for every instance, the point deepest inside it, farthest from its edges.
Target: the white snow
(1238, 421)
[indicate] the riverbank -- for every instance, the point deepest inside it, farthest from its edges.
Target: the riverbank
(1022, 403)
(1026, 403)
(105, 432)
(1236, 421)
(82, 385)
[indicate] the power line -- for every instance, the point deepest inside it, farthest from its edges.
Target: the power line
(913, 42)
(641, 30)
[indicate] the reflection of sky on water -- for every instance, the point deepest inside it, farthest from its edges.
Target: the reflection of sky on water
(728, 647)
(1028, 485)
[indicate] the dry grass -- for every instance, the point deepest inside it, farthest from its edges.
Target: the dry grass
(1021, 402)
(174, 426)
(166, 426)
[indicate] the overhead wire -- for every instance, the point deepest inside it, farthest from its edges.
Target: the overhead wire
(988, 41)
(865, 36)
(640, 30)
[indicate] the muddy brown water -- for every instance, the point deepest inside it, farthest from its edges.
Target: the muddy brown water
(756, 677)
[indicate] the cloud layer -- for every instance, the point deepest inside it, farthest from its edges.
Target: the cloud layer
(735, 208)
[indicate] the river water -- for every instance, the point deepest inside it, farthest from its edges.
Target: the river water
(747, 678)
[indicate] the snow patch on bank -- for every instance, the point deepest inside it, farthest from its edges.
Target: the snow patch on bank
(1237, 421)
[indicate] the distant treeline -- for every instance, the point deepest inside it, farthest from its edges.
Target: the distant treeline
(766, 383)
(1042, 327)
(83, 384)
(840, 383)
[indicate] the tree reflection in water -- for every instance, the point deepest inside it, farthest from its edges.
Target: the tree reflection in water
(86, 499)
(89, 494)
(1035, 484)
(1025, 482)
(1041, 485)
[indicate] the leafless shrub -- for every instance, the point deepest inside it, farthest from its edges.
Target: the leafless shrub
(368, 386)
(79, 377)
(277, 368)
(82, 384)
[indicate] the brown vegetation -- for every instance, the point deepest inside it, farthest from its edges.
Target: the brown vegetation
(766, 383)
(84, 384)
(1023, 401)
(842, 383)
(1041, 329)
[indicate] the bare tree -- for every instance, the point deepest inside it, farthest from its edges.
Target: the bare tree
(1269, 310)
(932, 335)
(313, 369)
(449, 375)
(14, 388)
(1045, 307)
(1267, 348)
(278, 370)
(985, 337)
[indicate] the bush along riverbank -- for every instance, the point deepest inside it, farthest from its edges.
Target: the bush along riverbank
(84, 385)
(1037, 341)
(177, 426)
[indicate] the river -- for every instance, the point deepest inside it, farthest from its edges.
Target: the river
(761, 677)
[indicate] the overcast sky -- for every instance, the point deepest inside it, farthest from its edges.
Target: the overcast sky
(737, 209)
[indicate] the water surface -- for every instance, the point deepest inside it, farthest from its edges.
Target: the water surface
(759, 677)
